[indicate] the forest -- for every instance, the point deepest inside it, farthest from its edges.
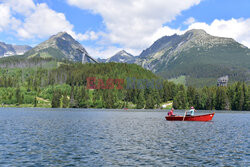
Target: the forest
(66, 87)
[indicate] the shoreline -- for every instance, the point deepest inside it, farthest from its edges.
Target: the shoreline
(123, 110)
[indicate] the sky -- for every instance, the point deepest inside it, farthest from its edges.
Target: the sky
(105, 27)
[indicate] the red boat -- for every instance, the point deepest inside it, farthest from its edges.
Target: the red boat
(207, 117)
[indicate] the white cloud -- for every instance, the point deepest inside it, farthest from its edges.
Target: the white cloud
(39, 20)
(89, 35)
(101, 52)
(7, 20)
(237, 29)
(43, 22)
(5, 16)
(189, 21)
(107, 52)
(133, 23)
(24, 7)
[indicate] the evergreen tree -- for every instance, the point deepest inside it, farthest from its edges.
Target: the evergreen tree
(220, 99)
(157, 98)
(56, 99)
(245, 94)
(149, 103)
(197, 103)
(35, 102)
(73, 102)
(109, 99)
(247, 102)
(18, 96)
(238, 100)
(180, 101)
(141, 100)
(209, 100)
(230, 95)
(191, 94)
(65, 101)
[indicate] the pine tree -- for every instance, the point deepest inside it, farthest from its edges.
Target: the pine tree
(247, 103)
(73, 102)
(209, 101)
(245, 94)
(141, 100)
(157, 98)
(56, 99)
(18, 96)
(149, 103)
(180, 101)
(238, 100)
(65, 101)
(191, 94)
(35, 102)
(220, 99)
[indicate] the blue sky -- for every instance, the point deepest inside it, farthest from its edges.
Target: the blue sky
(105, 27)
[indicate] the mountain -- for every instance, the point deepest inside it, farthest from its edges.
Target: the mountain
(61, 46)
(122, 57)
(101, 60)
(199, 57)
(10, 50)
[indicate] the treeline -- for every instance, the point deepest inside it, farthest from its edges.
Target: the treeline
(65, 87)
(233, 97)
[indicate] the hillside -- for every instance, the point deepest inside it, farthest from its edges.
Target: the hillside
(194, 58)
(10, 50)
(66, 86)
(59, 48)
(43, 87)
(63, 47)
(122, 57)
(198, 56)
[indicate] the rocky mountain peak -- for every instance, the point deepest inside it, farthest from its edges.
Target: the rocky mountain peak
(195, 45)
(10, 50)
(122, 56)
(65, 46)
(62, 35)
(123, 53)
(196, 32)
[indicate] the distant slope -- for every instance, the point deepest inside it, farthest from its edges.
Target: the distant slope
(63, 47)
(10, 50)
(200, 57)
(57, 49)
(122, 57)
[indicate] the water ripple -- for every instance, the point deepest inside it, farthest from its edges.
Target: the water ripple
(100, 138)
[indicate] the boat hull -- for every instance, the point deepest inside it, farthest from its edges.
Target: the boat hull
(207, 117)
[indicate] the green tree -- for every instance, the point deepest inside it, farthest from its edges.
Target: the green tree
(149, 103)
(180, 100)
(220, 99)
(65, 101)
(191, 94)
(140, 100)
(19, 96)
(238, 101)
(56, 99)
(35, 102)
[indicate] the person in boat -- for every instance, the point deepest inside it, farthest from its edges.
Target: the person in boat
(191, 111)
(171, 112)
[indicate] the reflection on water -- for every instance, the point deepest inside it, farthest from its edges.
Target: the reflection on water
(46, 137)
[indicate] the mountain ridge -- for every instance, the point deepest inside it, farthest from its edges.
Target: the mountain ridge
(196, 55)
(10, 50)
(122, 57)
(209, 56)
(66, 48)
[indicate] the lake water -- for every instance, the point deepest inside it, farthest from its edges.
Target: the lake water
(68, 137)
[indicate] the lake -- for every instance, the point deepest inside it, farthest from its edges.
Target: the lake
(78, 137)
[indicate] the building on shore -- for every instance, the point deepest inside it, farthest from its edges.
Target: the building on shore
(222, 81)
